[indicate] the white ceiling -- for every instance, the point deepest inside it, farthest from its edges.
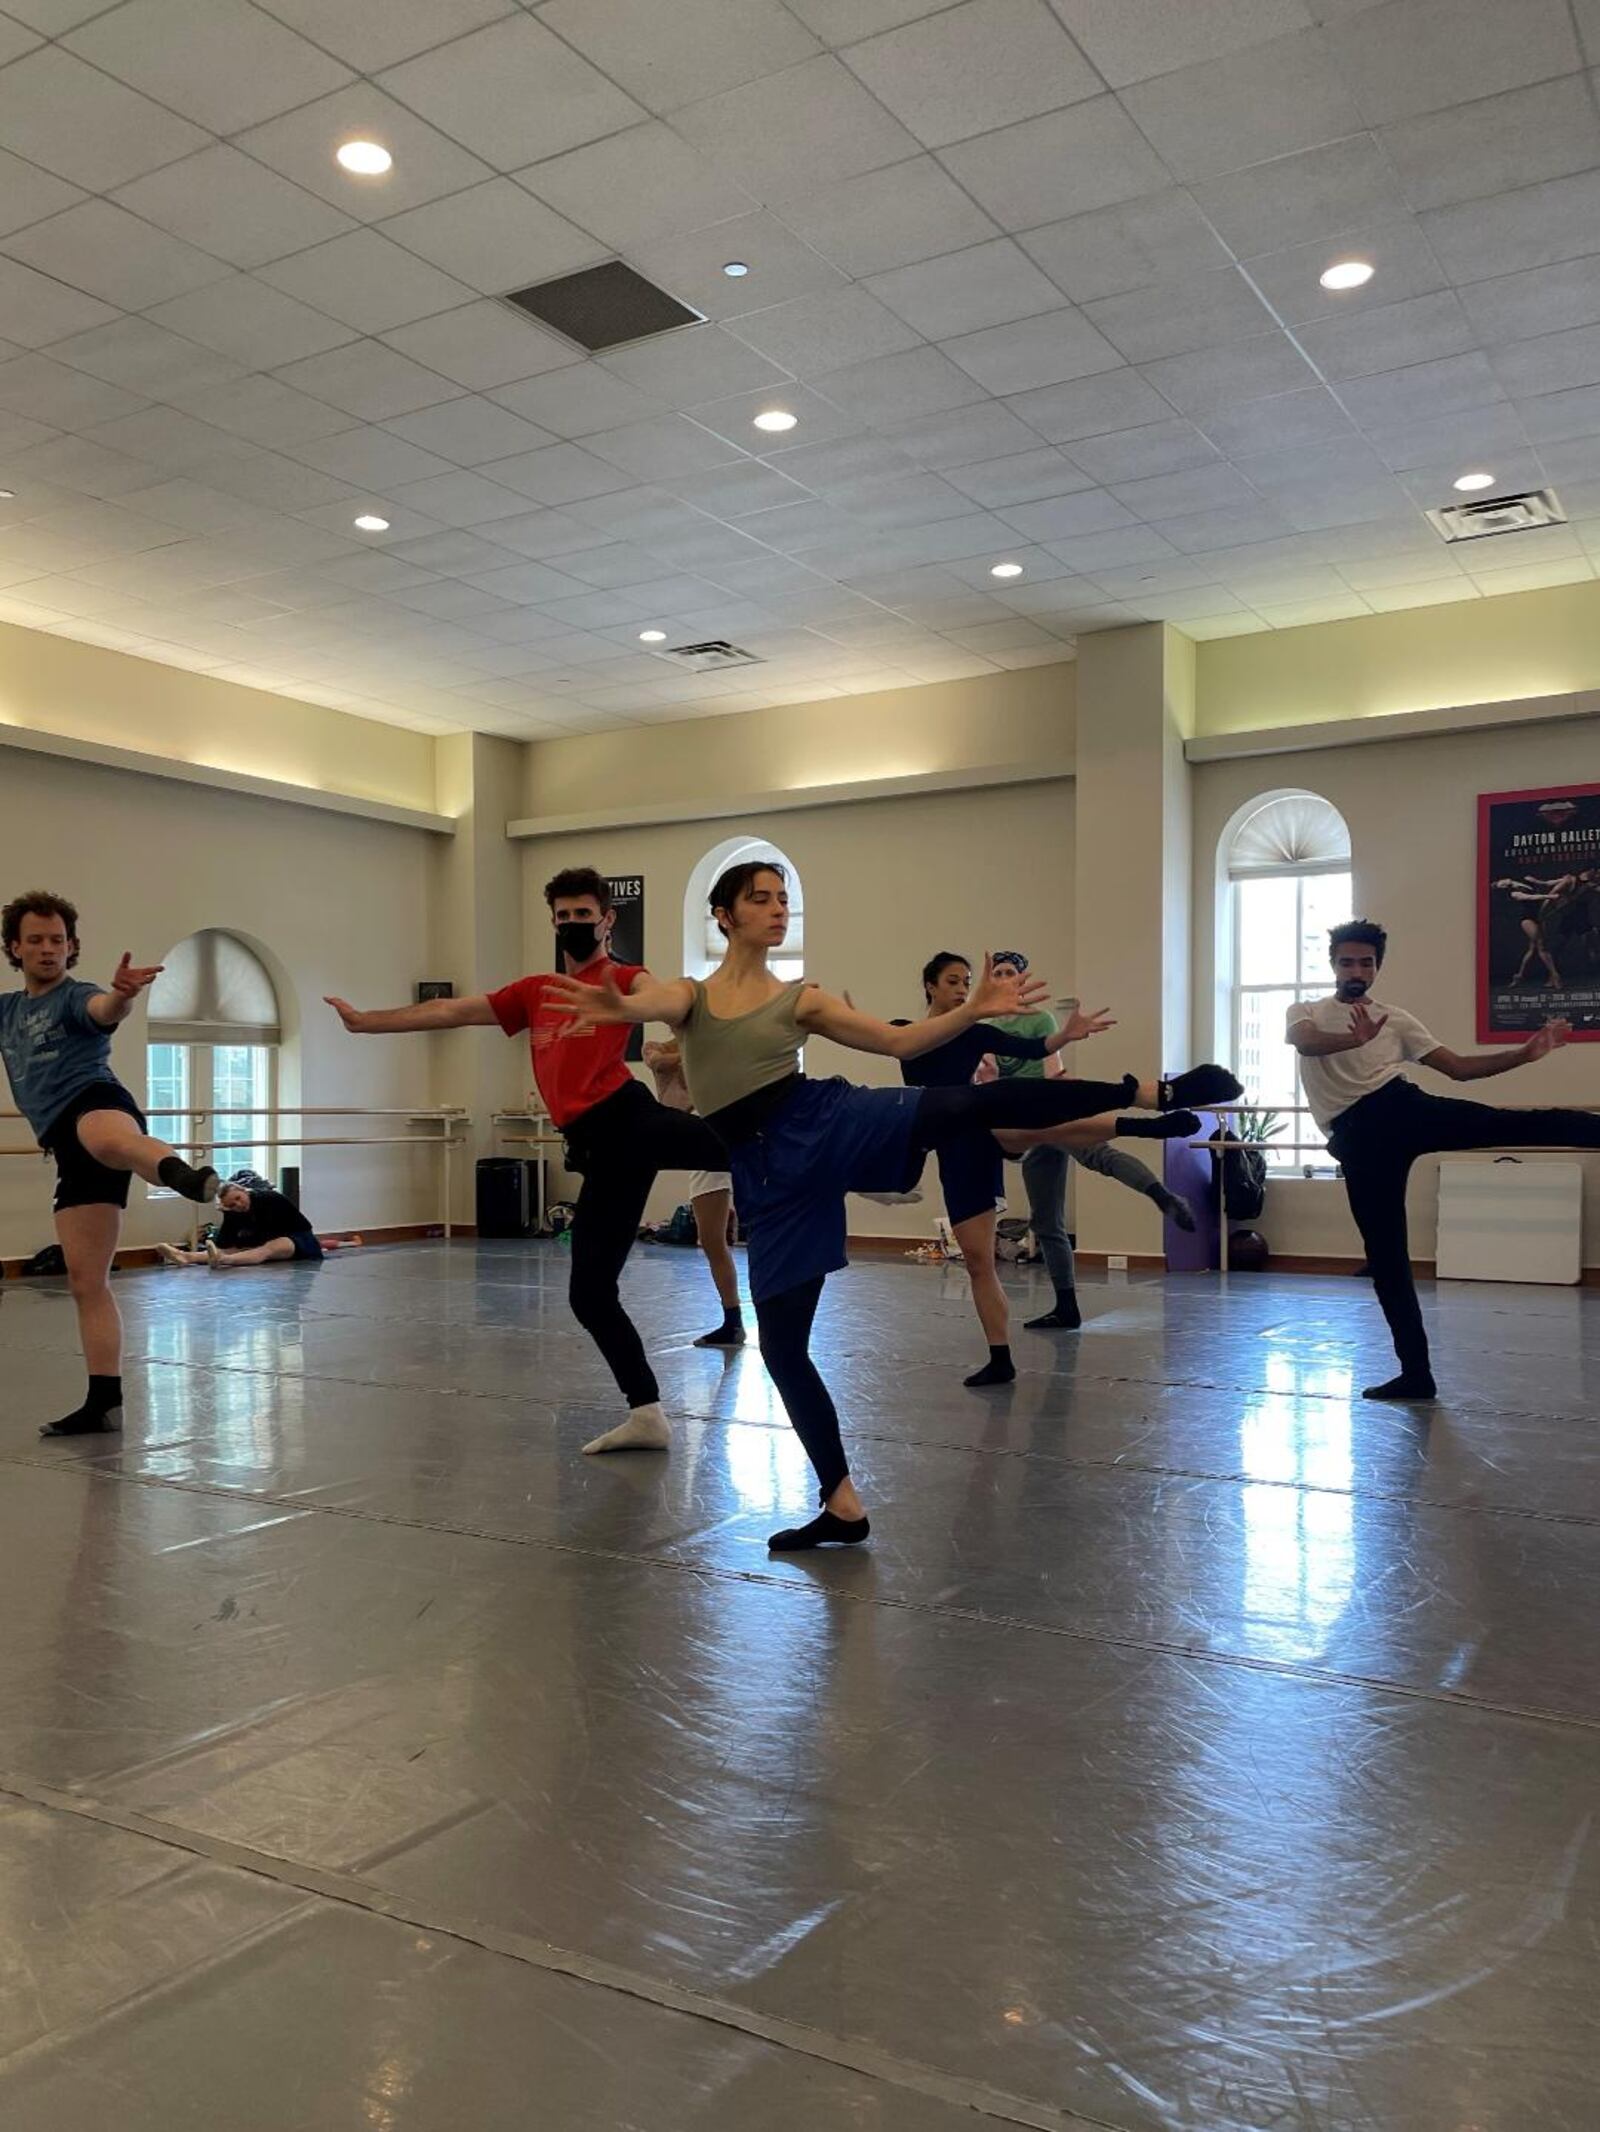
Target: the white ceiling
(1040, 281)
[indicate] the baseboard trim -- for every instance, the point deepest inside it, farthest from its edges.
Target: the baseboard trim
(410, 1232)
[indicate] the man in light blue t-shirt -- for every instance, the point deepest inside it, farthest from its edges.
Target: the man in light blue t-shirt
(55, 1039)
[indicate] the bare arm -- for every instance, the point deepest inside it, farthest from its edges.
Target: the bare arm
(1314, 1043)
(474, 1012)
(111, 1008)
(648, 999)
(825, 1015)
(1485, 1065)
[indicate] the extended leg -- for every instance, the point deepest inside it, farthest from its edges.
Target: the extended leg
(88, 1238)
(786, 1322)
(1127, 1170)
(605, 1222)
(114, 1140)
(1044, 1178)
(1448, 1125)
(280, 1247)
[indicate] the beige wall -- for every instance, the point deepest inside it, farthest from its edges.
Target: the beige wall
(88, 693)
(887, 883)
(1022, 717)
(1412, 811)
(1470, 651)
(338, 905)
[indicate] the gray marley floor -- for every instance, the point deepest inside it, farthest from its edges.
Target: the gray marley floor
(1193, 1747)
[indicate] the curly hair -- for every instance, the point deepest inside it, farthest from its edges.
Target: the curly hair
(1360, 933)
(575, 881)
(37, 903)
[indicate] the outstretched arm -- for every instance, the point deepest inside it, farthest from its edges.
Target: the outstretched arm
(110, 1008)
(648, 999)
(1485, 1065)
(1077, 1026)
(827, 1015)
(474, 1012)
(1314, 1043)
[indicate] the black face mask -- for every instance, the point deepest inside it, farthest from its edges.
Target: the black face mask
(579, 938)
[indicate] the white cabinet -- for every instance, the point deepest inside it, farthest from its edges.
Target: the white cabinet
(1510, 1220)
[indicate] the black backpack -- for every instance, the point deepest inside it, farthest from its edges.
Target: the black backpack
(52, 1259)
(1244, 1179)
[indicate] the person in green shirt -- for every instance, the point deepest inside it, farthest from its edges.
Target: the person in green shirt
(1044, 1170)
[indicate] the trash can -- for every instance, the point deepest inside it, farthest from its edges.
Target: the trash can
(504, 1208)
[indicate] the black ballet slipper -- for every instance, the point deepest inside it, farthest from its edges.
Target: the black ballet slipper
(1409, 1385)
(1201, 1084)
(825, 1530)
(1171, 1125)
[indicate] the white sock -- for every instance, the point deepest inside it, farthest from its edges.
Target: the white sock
(171, 1255)
(214, 1257)
(646, 1429)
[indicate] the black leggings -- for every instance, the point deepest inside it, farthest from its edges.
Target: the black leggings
(944, 1116)
(619, 1146)
(1377, 1140)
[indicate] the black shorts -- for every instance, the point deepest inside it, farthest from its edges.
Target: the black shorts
(972, 1176)
(80, 1180)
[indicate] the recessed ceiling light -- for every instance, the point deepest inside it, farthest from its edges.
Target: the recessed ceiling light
(736, 270)
(370, 522)
(6, 495)
(367, 159)
(1347, 274)
(1006, 570)
(652, 636)
(1468, 482)
(776, 418)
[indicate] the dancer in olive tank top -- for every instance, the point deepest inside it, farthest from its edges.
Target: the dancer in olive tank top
(797, 1147)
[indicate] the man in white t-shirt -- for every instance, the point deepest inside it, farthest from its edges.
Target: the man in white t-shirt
(1352, 1050)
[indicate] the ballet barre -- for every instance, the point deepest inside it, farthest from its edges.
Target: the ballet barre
(449, 1119)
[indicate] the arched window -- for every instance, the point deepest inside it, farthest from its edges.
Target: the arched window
(702, 940)
(215, 1030)
(1283, 879)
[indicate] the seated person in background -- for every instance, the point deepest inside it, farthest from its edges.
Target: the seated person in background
(258, 1227)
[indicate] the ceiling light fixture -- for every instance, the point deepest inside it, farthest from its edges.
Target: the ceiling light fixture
(1347, 274)
(775, 419)
(652, 636)
(736, 270)
(6, 495)
(365, 159)
(1006, 570)
(1468, 482)
(370, 522)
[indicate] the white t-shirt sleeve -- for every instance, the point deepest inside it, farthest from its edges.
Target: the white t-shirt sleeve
(1415, 1040)
(1301, 1011)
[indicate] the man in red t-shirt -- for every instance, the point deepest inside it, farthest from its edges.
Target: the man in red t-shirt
(618, 1136)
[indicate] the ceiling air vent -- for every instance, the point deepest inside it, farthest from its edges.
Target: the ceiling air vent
(1490, 515)
(710, 658)
(603, 307)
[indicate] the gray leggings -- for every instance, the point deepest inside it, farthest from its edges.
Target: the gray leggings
(1044, 1178)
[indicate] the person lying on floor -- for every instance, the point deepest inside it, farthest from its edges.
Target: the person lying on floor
(259, 1227)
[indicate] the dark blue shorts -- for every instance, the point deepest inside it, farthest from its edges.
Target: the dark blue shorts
(307, 1247)
(789, 1181)
(971, 1176)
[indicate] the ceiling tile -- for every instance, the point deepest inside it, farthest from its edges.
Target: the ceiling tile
(1116, 249)
(1389, 336)
(816, 333)
(28, 194)
(1065, 517)
(1267, 101)
(1067, 164)
(1214, 378)
(1309, 416)
(846, 21)
(886, 218)
(463, 499)
(1290, 280)
(974, 67)
(1198, 488)
(1432, 592)
(483, 345)
(528, 582)
(74, 464)
(577, 401)
(82, 125)
(1467, 434)
(693, 364)
(1130, 40)
(1088, 407)
(1496, 143)
(690, 267)
(1050, 350)
(1191, 311)
(113, 255)
(637, 186)
(774, 135)
(1559, 416)
(470, 432)
(1422, 55)
(230, 206)
(369, 381)
(1542, 300)
(452, 553)
(368, 37)
(1535, 226)
(1139, 454)
(511, 91)
(1204, 532)
(737, 488)
(960, 436)
(301, 145)
(1296, 199)
(819, 420)
(987, 285)
(222, 63)
(367, 281)
(1555, 362)
(369, 458)
(1022, 477)
(667, 57)
(657, 449)
(38, 309)
(47, 391)
(241, 317)
(560, 473)
(1421, 390)
(262, 410)
(845, 463)
(495, 237)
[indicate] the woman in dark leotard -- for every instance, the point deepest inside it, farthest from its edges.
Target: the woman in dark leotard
(972, 1170)
(797, 1146)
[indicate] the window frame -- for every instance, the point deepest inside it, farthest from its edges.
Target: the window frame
(200, 1097)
